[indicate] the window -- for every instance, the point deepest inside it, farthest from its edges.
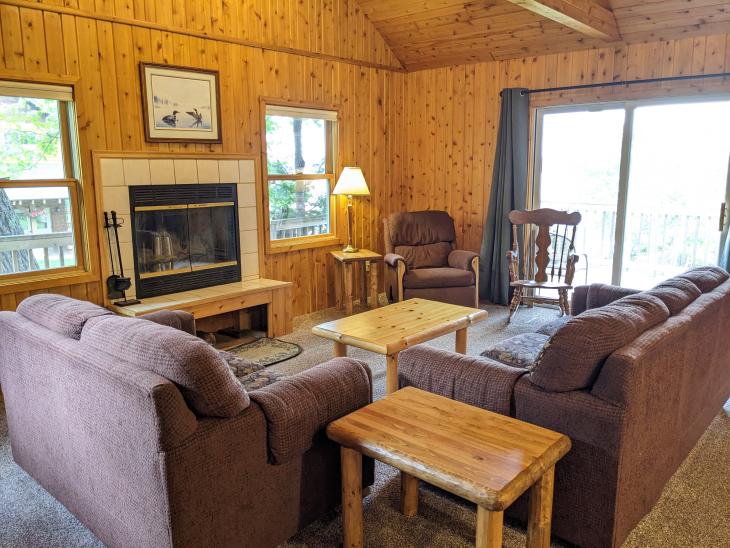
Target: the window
(39, 187)
(650, 179)
(299, 163)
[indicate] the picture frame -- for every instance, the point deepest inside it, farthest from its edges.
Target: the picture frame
(180, 104)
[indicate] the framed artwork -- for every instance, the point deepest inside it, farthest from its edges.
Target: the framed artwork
(180, 104)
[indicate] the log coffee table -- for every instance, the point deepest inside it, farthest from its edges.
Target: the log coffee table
(395, 327)
(484, 457)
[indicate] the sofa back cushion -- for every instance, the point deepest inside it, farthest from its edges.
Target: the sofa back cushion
(676, 293)
(706, 278)
(63, 315)
(572, 358)
(205, 381)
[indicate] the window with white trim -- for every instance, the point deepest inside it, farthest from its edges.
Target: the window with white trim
(39, 181)
(299, 154)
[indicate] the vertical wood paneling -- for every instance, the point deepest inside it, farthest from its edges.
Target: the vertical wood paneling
(424, 139)
(448, 161)
(106, 55)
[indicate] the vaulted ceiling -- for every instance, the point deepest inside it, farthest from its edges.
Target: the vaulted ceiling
(431, 33)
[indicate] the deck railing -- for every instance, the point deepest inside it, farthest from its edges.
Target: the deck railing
(658, 243)
(17, 249)
(296, 227)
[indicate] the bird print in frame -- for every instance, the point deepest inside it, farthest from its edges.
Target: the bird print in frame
(180, 104)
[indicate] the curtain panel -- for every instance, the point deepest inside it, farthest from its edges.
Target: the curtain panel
(508, 192)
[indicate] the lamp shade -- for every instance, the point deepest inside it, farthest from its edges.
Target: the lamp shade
(352, 182)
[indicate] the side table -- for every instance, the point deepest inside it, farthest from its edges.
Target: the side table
(345, 277)
(486, 458)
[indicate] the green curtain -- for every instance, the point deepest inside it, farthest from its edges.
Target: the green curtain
(509, 191)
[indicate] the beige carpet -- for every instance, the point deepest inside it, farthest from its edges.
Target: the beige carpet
(694, 509)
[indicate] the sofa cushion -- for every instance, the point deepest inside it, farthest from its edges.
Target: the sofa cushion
(551, 327)
(63, 315)
(518, 351)
(421, 227)
(572, 358)
(426, 255)
(676, 293)
(423, 278)
(706, 278)
(205, 381)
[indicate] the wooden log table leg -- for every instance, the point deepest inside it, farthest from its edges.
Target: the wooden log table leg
(391, 374)
(373, 284)
(461, 341)
(352, 530)
(541, 511)
(348, 282)
(489, 528)
(363, 284)
(338, 285)
(340, 349)
(408, 494)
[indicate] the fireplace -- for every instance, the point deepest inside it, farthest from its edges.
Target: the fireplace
(184, 237)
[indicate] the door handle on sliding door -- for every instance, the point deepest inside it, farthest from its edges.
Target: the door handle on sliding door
(722, 216)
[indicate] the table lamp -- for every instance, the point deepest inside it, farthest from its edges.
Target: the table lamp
(351, 183)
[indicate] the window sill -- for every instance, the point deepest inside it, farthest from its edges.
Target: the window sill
(45, 280)
(297, 244)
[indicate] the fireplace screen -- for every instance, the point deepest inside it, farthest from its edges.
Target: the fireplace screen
(181, 246)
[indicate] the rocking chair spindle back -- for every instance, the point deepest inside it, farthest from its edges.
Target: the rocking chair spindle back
(554, 261)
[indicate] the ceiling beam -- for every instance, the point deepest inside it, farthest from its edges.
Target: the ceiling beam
(585, 16)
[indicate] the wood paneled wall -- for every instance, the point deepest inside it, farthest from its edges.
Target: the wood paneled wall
(49, 37)
(424, 139)
(452, 114)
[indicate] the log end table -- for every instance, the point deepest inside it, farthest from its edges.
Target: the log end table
(486, 458)
(345, 265)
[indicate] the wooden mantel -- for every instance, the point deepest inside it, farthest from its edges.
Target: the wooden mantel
(222, 299)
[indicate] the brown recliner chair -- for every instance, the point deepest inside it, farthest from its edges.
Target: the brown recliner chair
(421, 261)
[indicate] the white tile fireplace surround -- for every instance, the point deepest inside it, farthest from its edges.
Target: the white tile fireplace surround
(115, 173)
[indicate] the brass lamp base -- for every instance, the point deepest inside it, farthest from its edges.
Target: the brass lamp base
(349, 248)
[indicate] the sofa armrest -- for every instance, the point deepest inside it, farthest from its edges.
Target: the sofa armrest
(475, 380)
(602, 294)
(579, 301)
(178, 319)
(392, 259)
(462, 259)
(298, 407)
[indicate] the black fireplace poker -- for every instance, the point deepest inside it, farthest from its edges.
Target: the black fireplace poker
(117, 284)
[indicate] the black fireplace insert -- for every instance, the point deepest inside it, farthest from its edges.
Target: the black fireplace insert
(184, 237)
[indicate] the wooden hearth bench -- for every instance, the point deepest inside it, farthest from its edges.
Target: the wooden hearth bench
(215, 307)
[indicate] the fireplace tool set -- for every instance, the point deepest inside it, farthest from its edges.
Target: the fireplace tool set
(117, 284)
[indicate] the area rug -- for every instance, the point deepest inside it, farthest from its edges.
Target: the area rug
(266, 351)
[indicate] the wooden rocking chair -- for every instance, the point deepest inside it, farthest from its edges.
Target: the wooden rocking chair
(555, 259)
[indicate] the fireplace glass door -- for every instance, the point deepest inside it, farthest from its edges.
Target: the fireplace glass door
(184, 238)
(162, 240)
(212, 240)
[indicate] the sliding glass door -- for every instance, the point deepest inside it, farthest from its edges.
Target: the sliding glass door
(649, 179)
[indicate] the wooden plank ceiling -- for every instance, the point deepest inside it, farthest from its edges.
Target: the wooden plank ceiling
(432, 33)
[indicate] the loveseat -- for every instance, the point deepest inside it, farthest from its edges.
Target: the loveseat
(634, 379)
(143, 432)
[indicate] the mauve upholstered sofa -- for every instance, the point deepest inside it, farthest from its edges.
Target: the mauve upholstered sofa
(634, 379)
(142, 431)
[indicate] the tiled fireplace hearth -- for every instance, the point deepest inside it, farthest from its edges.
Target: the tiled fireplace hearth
(115, 173)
